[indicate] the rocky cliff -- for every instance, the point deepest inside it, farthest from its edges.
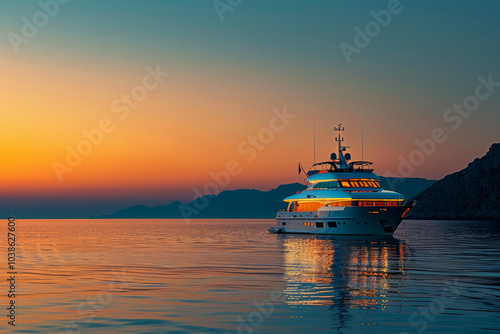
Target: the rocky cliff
(472, 193)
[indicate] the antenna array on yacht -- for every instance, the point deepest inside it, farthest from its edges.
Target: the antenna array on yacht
(314, 140)
(362, 140)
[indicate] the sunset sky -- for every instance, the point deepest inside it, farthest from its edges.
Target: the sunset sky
(225, 78)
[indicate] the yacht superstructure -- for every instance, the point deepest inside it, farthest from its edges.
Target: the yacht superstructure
(343, 197)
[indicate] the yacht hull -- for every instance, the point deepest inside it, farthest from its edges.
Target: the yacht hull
(379, 221)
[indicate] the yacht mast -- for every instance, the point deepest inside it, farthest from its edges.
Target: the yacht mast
(340, 139)
(314, 139)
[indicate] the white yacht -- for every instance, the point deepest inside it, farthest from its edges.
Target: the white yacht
(343, 198)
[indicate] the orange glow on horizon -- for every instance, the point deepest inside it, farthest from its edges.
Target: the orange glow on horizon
(181, 134)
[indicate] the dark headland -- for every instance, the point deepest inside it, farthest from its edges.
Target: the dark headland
(472, 193)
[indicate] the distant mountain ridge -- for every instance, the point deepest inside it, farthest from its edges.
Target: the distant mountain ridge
(249, 203)
(409, 187)
(238, 204)
(472, 193)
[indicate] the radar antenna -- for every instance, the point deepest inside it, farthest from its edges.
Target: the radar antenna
(314, 140)
(340, 139)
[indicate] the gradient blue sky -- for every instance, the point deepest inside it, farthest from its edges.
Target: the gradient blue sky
(226, 77)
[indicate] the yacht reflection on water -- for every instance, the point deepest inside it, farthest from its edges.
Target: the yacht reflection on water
(342, 272)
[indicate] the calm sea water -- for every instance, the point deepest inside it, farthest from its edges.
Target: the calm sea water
(232, 276)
